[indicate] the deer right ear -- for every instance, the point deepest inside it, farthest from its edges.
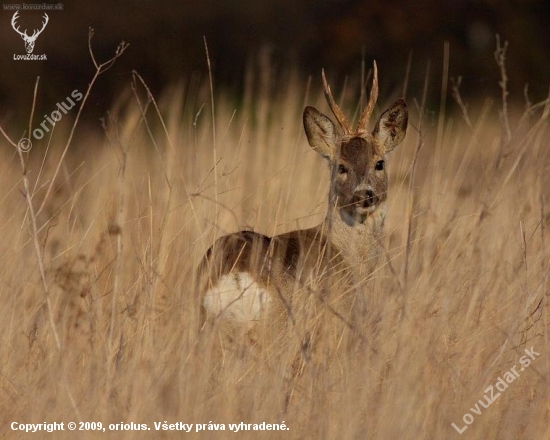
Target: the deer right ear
(391, 127)
(320, 132)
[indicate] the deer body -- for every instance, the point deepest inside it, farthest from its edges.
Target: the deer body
(248, 281)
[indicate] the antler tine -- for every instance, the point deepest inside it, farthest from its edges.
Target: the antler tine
(44, 23)
(338, 113)
(365, 116)
(14, 24)
(14, 18)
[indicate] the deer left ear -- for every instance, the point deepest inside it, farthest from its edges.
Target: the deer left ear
(392, 125)
(320, 132)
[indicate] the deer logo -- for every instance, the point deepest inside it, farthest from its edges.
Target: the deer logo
(29, 40)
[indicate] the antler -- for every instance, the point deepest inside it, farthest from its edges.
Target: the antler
(367, 113)
(36, 33)
(16, 29)
(338, 113)
(365, 116)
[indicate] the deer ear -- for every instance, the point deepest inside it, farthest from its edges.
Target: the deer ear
(392, 125)
(320, 132)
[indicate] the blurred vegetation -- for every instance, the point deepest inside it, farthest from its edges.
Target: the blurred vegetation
(167, 44)
(100, 246)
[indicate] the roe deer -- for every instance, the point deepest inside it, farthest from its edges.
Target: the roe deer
(250, 284)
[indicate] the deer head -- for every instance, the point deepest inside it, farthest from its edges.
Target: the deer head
(359, 181)
(29, 40)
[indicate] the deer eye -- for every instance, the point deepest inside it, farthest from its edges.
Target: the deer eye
(342, 169)
(380, 165)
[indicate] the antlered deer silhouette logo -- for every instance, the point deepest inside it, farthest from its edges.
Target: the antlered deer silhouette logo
(29, 40)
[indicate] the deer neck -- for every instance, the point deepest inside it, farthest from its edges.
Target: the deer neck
(360, 244)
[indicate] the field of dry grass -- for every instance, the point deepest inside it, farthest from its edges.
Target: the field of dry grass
(101, 327)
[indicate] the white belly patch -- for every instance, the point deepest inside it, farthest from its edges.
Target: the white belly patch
(237, 297)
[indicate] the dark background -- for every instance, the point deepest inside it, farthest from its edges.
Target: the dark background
(166, 44)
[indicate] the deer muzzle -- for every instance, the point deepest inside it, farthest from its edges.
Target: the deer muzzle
(365, 200)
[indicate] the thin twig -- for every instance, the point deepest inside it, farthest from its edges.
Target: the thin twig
(100, 68)
(214, 146)
(31, 117)
(33, 223)
(443, 101)
(211, 91)
(419, 144)
(500, 58)
(455, 89)
(407, 75)
(28, 193)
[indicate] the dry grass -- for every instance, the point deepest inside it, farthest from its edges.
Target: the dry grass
(129, 219)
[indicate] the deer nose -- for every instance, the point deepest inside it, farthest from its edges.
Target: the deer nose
(365, 198)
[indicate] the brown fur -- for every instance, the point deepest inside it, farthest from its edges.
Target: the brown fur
(322, 267)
